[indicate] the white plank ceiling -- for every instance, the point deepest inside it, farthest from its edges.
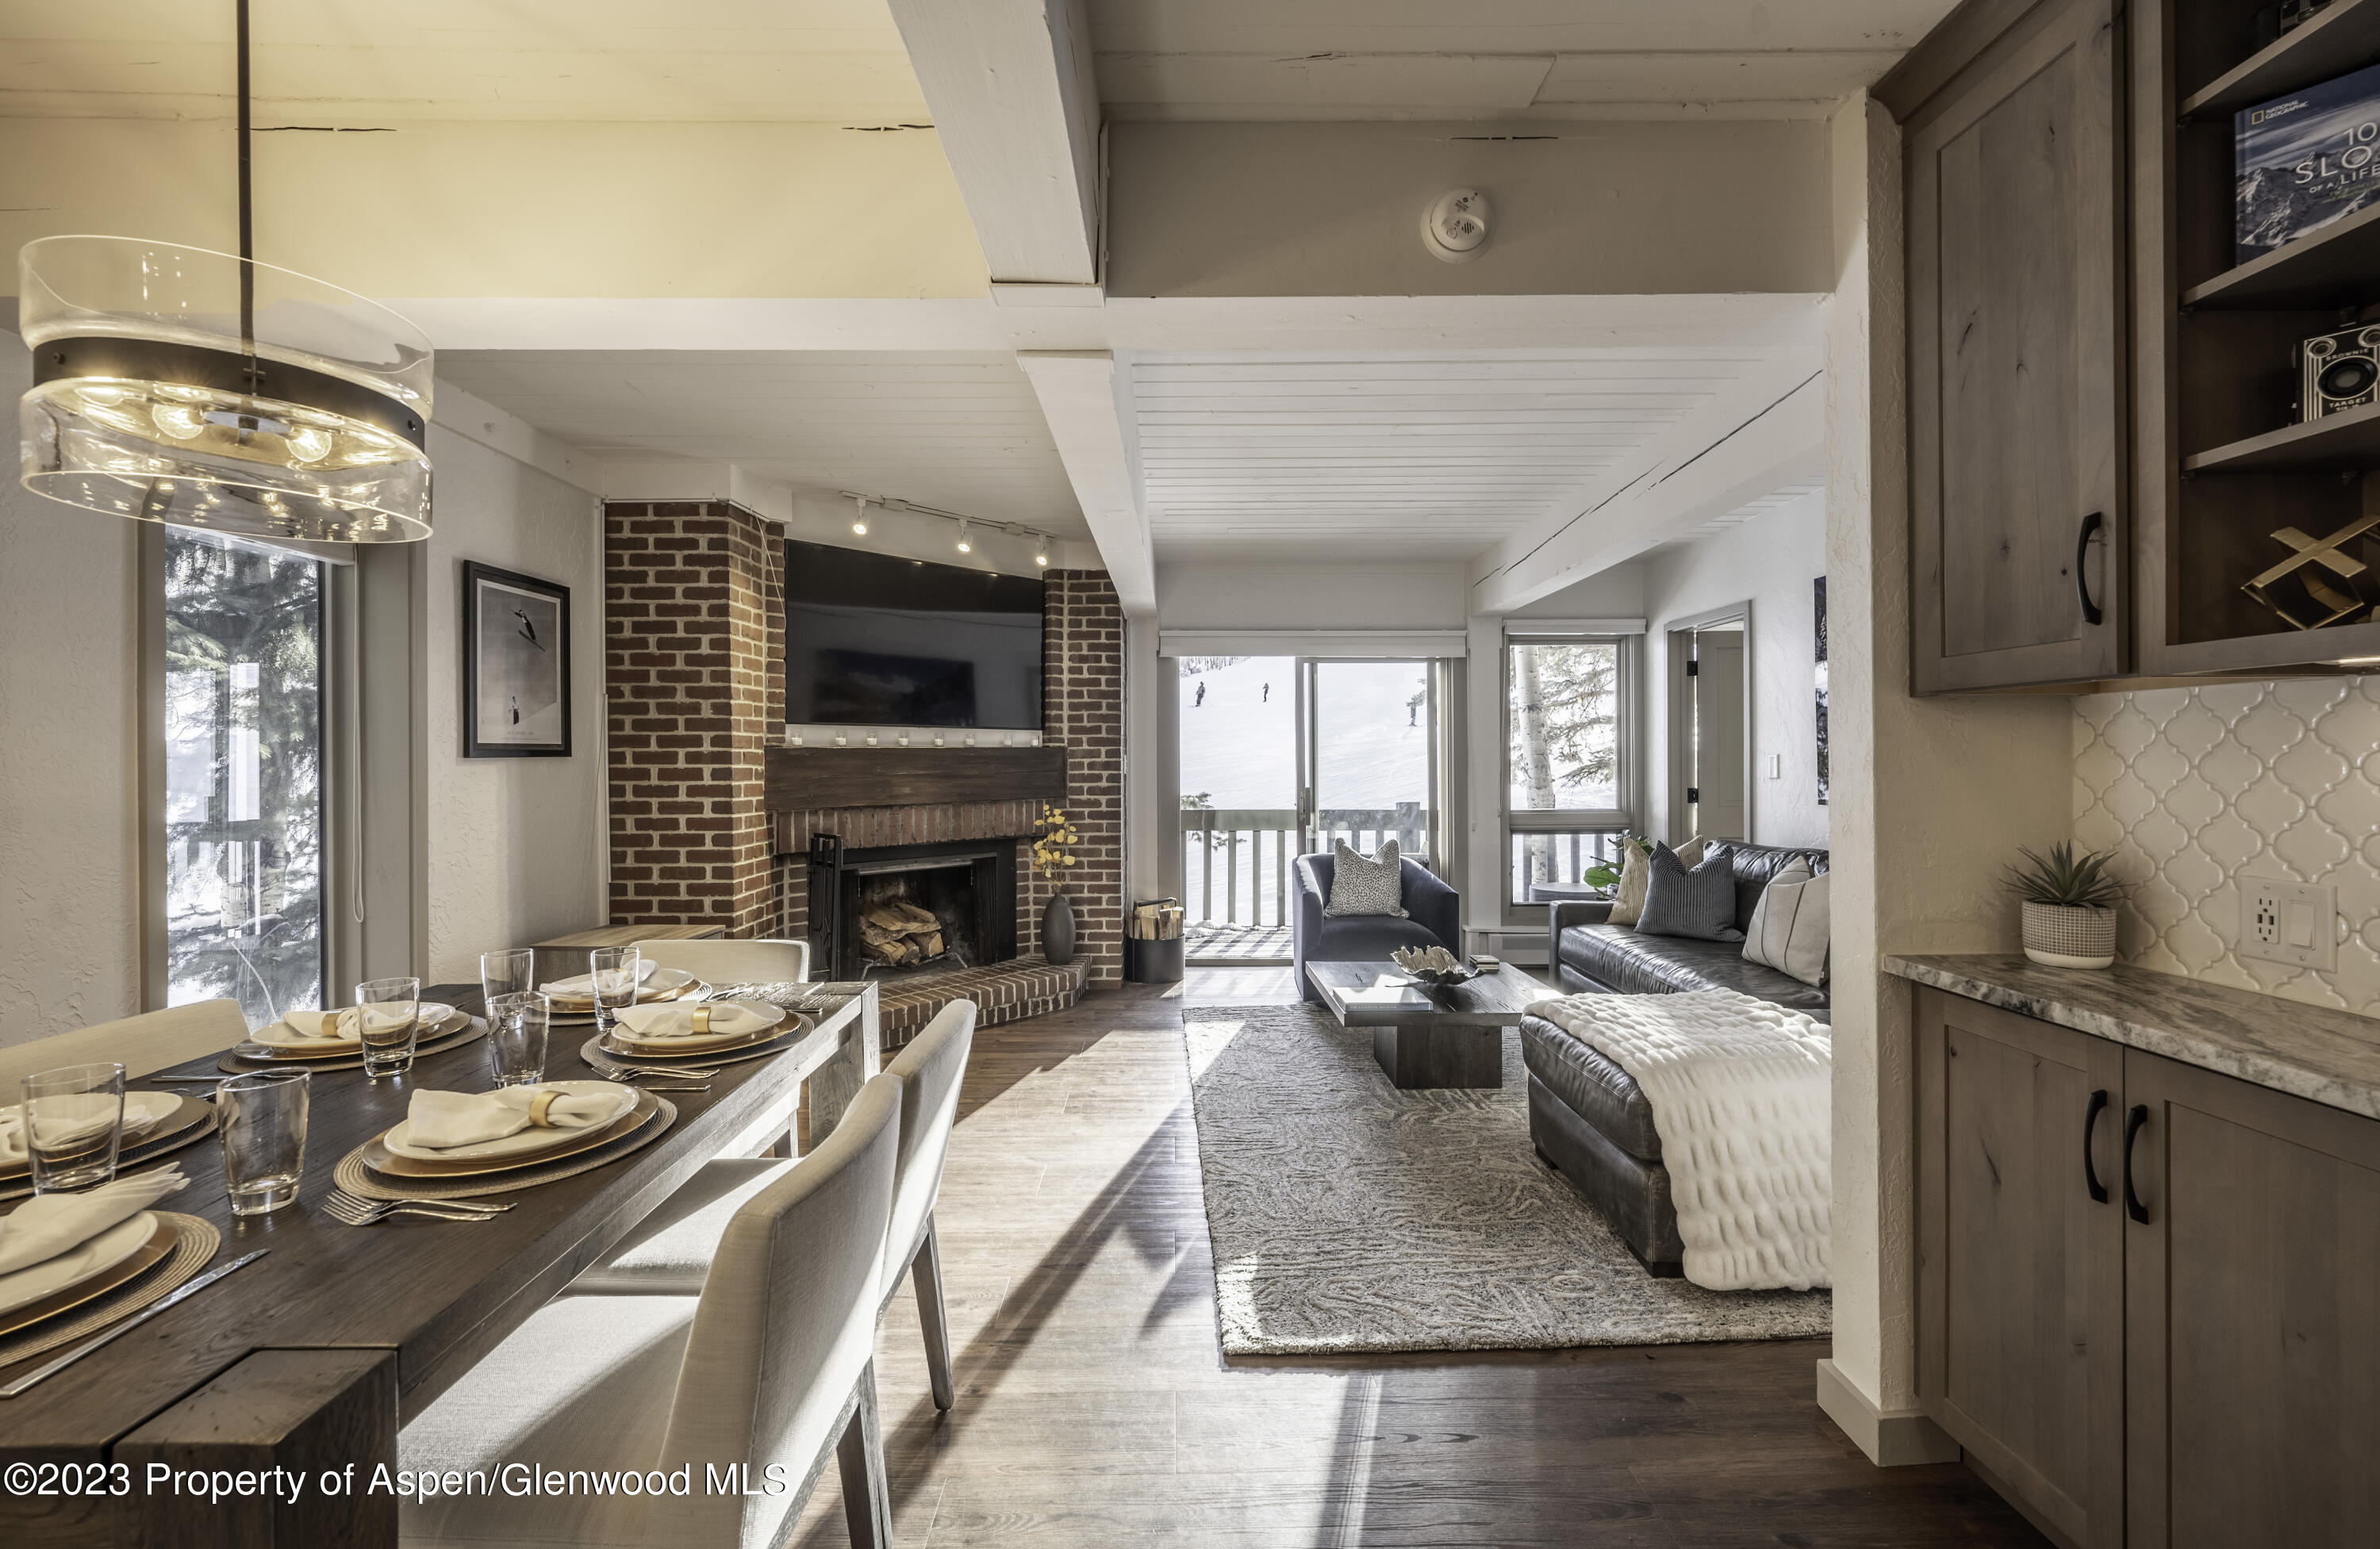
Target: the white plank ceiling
(1396, 456)
(958, 430)
(1522, 59)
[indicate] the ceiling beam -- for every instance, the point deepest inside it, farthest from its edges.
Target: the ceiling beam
(1768, 432)
(1018, 111)
(1084, 398)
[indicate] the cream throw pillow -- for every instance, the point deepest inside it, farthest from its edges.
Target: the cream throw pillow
(1790, 925)
(1636, 874)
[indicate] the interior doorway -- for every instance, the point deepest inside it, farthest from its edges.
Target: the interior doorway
(1280, 756)
(1710, 725)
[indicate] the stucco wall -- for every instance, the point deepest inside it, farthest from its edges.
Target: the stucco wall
(69, 755)
(515, 844)
(1770, 563)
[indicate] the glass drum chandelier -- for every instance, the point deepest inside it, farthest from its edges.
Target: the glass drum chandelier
(181, 385)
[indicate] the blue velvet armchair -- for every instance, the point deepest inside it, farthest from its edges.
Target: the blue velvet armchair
(1434, 911)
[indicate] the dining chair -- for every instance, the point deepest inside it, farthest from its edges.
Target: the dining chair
(735, 962)
(671, 1250)
(142, 1045)
(770, 1367)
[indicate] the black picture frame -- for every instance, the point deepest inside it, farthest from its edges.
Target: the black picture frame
(511, 622)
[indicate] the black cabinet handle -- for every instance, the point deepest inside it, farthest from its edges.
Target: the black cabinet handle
(2091, 525)
(2091, 1123)
(2132, 1205)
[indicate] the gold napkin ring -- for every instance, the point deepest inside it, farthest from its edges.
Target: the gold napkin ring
(701, 1020)
(538, 1106)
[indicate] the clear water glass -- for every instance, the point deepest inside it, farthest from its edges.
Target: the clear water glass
(516, 1031)
(262, 1119)
(506, 973)
(617, 972)
(74, 1125)
(388, 1016)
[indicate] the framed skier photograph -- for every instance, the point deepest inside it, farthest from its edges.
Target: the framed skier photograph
(515, 665)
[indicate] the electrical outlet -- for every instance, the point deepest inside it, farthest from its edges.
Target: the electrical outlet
(2295, 923)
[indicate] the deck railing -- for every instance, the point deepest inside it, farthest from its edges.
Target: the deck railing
(1235, 861)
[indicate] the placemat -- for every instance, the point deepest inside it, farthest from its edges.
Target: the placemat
(131, 1159)
(235, 1065)
(358, 1178)
(199, 1241)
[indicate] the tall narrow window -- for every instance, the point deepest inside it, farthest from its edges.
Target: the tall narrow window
(1563, 765)
(244, 656)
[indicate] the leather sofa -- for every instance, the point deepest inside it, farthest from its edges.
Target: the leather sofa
(1587, 1116)
(1433, 918)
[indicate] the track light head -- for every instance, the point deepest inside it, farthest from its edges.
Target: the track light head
(859, 520)
(966, 544)
(1042, 553)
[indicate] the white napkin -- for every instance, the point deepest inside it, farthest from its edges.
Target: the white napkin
(141, 1110)
(675, 1020)
(48, 1225)
(338, 1025)
(583, 987)
(437, 1120)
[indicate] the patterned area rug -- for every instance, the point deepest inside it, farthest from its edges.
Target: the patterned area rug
(1349, 1215)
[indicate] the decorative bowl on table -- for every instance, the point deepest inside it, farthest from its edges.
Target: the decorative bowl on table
(1433, 966)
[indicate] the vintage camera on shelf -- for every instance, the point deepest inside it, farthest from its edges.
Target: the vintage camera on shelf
(2338, 372)
(2271, 21)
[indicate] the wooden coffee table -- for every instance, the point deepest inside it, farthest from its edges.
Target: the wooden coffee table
(1429, 1037)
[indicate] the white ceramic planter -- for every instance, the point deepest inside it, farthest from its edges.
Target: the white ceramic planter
(2066, 935)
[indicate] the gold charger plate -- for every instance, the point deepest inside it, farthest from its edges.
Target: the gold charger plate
(188, 1110)
(471, 1030)
(711, 1042)
(147, 1257)
(190, 1129)
(380, 1159)
(195, 1246)
(277, 1054)
(782, 1038)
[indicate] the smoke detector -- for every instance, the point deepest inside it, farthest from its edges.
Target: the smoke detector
(1454, 228)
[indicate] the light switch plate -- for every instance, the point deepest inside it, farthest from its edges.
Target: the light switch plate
(2293, 923)
(1776, 766)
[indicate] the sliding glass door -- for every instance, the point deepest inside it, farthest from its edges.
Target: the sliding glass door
(1371, 729)
(243, 708)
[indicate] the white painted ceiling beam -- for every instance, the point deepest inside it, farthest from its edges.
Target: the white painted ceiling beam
(1083, 398)
(1017, 109)
(1769, 432)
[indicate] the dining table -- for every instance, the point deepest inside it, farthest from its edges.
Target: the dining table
(264, 1409)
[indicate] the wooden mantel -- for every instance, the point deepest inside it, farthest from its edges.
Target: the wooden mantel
(811, 779)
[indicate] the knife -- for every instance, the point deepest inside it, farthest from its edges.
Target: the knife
(128, 1325)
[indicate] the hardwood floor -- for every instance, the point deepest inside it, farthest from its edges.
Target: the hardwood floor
(1095, 1407)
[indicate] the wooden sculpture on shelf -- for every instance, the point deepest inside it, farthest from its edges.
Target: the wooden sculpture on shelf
(2318, 600)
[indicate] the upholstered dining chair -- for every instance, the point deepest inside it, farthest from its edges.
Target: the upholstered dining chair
(735, 962)
(671, 1250)
(142, 1045)
(770, 1367)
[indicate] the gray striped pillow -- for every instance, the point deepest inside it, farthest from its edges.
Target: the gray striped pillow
(1792, 925)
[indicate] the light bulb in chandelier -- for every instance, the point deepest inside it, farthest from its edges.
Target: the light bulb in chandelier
(966, 544)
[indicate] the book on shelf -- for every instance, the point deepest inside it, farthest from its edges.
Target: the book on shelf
(2304, 161)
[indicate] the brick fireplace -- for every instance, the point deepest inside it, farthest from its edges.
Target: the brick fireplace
(703, 829)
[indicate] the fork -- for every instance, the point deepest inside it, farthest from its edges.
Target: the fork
(366, 1212)
(349, 1200)
(613, 1068)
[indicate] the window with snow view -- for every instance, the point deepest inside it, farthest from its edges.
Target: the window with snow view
(1564, 716)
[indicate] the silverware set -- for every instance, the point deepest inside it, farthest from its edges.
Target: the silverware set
(355, 1210)
(685, 1080)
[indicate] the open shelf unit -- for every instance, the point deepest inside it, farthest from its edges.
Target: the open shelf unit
(2221, 464)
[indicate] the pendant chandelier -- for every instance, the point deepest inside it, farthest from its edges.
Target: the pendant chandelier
(181, 385)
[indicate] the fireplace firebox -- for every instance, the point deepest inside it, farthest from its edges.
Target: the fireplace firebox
(893, 911)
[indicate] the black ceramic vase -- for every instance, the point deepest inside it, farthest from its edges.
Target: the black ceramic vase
(1058, 931)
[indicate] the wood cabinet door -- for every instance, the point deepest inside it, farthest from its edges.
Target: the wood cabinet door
(2016, 361)
(2253, 1333)
(2020, 1269)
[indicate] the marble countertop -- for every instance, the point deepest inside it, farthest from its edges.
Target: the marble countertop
(2330, 1056)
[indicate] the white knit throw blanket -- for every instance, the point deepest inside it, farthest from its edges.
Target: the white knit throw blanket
(1741, 1099)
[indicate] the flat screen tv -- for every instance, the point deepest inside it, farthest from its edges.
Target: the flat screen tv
(879, 640)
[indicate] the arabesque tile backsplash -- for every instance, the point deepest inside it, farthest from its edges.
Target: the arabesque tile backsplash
(2196, 787)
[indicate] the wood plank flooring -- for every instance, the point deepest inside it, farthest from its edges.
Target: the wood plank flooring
(1095, 1407)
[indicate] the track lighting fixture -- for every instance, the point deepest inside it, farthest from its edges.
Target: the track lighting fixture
(966, 525)
(859, 522)
(967, 545)
(1041, 555)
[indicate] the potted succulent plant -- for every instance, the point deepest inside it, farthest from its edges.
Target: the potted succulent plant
(2070, 906)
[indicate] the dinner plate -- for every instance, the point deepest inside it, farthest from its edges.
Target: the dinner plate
(378, 1158)
(621, 1040)
(532, 1140)
(281, 1043)
(79, 1270)
(662, 984)
(792, 1029)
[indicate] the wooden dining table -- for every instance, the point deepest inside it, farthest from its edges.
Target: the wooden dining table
(310, 1359)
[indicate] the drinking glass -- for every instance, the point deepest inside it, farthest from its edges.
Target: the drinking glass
(73, 1124)
(517, 1028)
(506, 973)
(616, 971)
(388, 1017)
(262, 1116)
